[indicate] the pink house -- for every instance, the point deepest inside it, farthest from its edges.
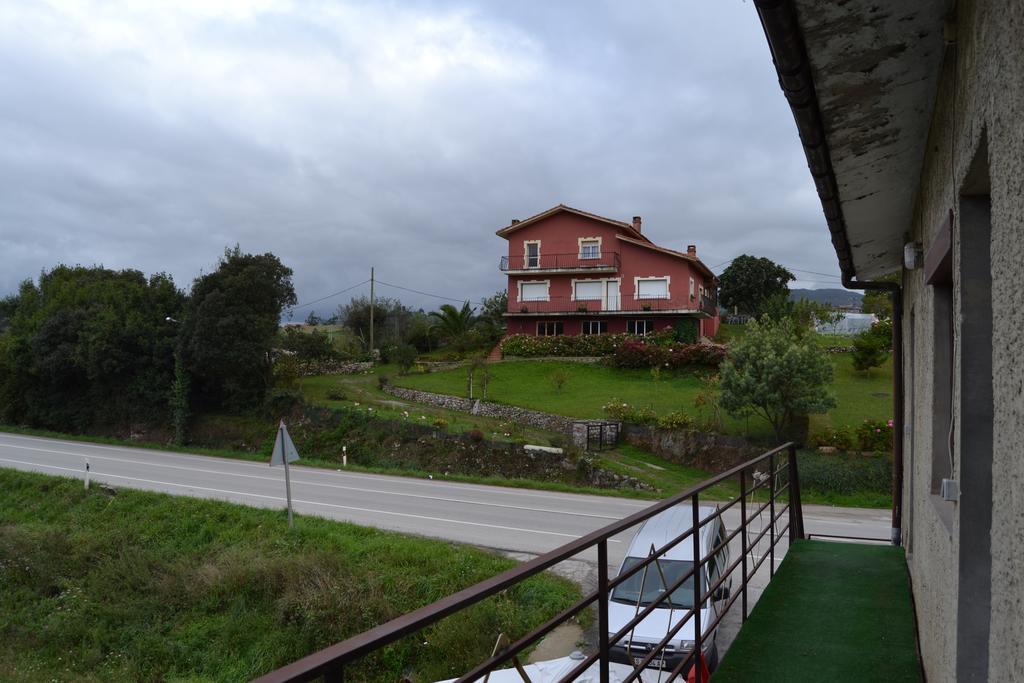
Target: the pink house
(573, 272)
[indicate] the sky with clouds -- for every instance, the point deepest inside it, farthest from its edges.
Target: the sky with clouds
(340, 135)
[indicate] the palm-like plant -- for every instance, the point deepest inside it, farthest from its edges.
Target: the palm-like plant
(454, 322)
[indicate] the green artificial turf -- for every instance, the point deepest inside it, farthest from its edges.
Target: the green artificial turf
(833, 612)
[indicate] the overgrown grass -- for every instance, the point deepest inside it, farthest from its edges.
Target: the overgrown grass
(145, 586)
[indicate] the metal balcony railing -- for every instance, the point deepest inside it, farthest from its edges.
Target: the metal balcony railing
(627, 304)
(603, 261)
(778, 484)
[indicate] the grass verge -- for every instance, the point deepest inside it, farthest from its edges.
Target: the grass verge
(146, 586)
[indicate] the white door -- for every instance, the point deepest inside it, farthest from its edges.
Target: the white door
(611, 296)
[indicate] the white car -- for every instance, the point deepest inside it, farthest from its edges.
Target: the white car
(626, 602)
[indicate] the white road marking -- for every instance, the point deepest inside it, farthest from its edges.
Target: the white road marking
(305, 502)
(197, 470)
(410, 481)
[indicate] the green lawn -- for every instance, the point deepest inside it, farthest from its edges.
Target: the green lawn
(362, 392)
(833, 612)
(859, 396)
(144, 587)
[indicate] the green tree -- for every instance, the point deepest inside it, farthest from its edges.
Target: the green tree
(775, 375)
(750, 283)
(872, 346)
(491, 321)
(390, 320)
(230, 327)
(89, 348)
(312, 345)
(454, 322)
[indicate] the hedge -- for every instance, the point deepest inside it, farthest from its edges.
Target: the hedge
(634, 353)
(527, 345)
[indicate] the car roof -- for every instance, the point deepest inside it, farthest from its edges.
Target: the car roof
(667, 525)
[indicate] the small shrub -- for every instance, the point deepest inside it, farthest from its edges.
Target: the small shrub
(623, 412)
(840, 438)
(656, 373)
(439, 422)
(336, 395)
(559, 378)
(686, 331)
(405, 356)
(280, 403)
(676, 420)
(869, 351)
(382, 381)
(874, 435)
(557, 441)
(475, 435)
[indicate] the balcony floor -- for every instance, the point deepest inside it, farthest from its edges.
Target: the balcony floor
(833, 612)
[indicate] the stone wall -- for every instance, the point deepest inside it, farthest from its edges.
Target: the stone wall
(500, 411)
(708, 451)
(331, 367)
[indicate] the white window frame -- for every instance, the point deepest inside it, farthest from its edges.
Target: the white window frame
(600, 297)
(526, 254)
(693, 288)
(645, 321)
(579, 249)
(549, 322)
(599, 323)
(638, 280)
(547, 289)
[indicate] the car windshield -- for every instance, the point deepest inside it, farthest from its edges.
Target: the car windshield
(628, 591)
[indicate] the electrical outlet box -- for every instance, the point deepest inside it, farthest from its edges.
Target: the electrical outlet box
(950, 490)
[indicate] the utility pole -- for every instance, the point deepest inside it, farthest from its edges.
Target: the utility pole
(371, 311)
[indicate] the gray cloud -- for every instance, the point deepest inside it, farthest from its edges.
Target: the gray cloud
(341, 136)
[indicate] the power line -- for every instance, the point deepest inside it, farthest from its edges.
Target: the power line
(799, 270)
(416, 291)
(329, 296)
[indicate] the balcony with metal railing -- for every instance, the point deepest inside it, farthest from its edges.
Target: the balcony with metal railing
(831, 611)
(587, 262)
(610, 305)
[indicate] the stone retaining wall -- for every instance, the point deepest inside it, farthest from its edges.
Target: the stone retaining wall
(311, 368)
(500, 411)
(706, 450)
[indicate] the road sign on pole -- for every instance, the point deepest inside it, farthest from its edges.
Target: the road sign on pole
(284, 453)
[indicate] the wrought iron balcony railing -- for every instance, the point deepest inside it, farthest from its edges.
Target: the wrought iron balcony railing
(603, 261)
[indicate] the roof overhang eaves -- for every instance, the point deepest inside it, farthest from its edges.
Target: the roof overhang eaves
(860, 156)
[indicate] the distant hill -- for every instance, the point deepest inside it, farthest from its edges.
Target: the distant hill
(832, 297)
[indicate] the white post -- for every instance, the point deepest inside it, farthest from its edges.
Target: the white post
(87, 474)
(344, 456)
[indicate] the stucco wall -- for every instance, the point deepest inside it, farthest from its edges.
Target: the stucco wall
(981, 96)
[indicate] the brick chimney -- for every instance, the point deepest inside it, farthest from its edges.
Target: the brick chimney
(691, 249)
(636, 223)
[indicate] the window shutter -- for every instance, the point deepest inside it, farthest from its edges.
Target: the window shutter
(652, 289)
(588, 291)
(534, 291)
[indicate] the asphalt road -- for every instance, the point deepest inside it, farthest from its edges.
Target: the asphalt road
(520, 522)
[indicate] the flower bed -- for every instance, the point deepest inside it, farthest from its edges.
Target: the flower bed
(634, 353)
(530, 346)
